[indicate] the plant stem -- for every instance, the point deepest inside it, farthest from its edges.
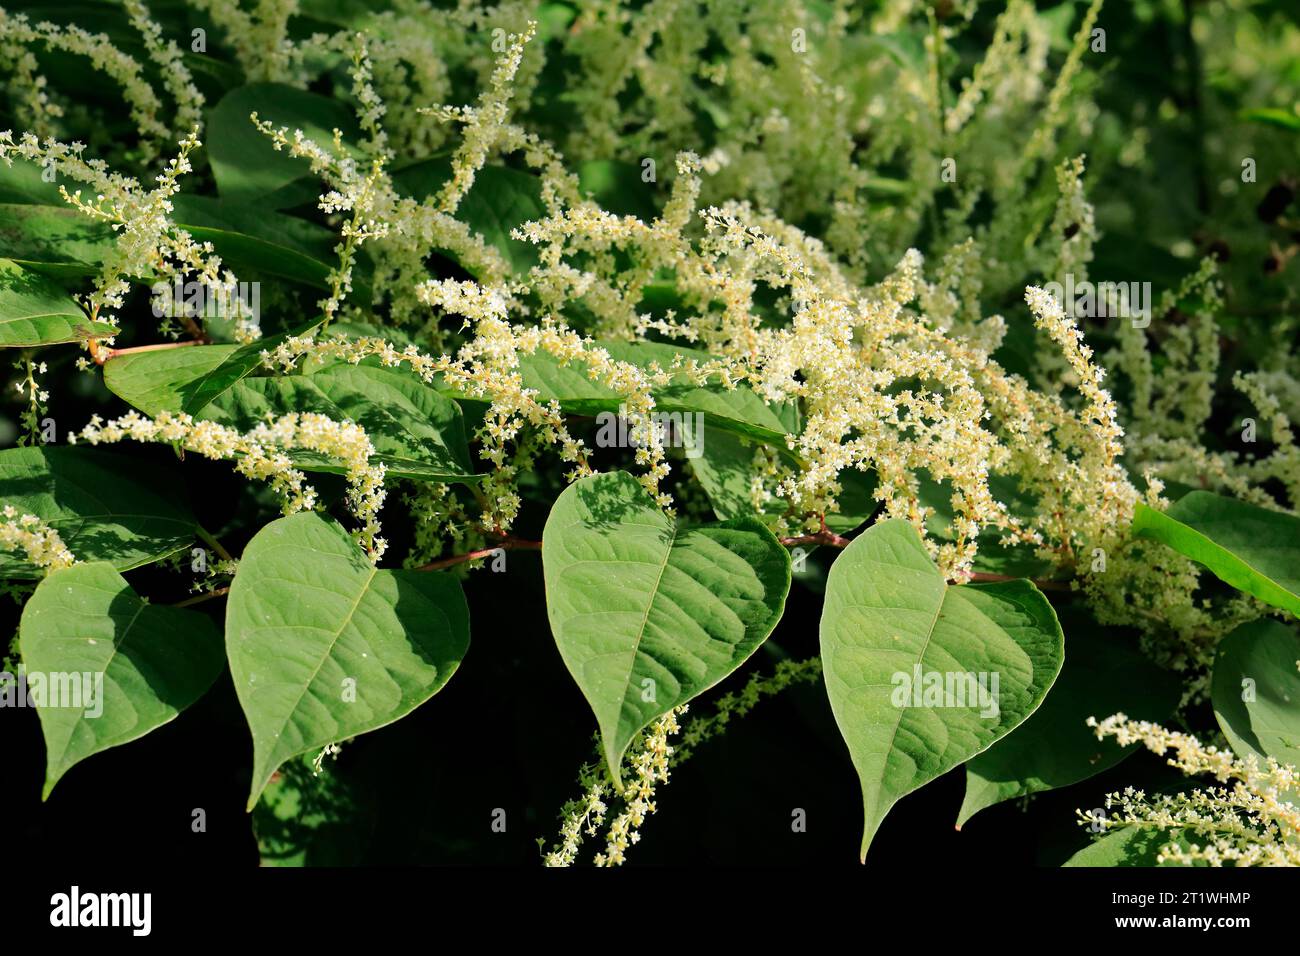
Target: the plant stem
(211, 541)
(828, 538)
(823, 537)
(508, 544)
(983, 576)
(104, 355)
(200, 598)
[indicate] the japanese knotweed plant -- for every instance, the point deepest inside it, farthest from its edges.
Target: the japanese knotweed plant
(427, 251)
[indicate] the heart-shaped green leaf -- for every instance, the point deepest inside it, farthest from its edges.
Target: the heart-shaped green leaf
(104, 505)
(1253, 549)
(922, 676)
(118, 666)
(1104, 673)
(647, 614)
(1256, 691)
(325, 646)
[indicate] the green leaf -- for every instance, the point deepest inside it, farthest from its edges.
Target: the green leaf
(253, 241)
(246, 165)
(723, 463)
(889, 615)
(1130, 846)
(1261, 717)
(737, 410)
(163, 380)
(1268, 116)
(56, 241)
(1253, 549)
(417, 433)
(646, 613)
(1104, 674)
(24, 182)
(152, 662)
(105, 506)
(235, 367)
(34, 310)
(324, 646)
(499, 200)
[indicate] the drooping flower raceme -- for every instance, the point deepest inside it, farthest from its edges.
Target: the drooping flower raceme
(261, 453)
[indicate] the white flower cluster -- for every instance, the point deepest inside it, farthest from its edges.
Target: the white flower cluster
(482, 124)
(175, 75)
(652, 759)
(581, 817)
(148, 242)
(261, 453)
(29, 534)
(649, 763)
(261, 36)
(17, 30)
(1253, 822)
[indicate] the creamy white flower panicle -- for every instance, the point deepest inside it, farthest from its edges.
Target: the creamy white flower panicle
(482, 123)
(649, 762)
(260, 36)
(261, 453)
(37, 540)
(175, 75)
(16, 29)
(148, 242)
(37, 111)
(1252, 821)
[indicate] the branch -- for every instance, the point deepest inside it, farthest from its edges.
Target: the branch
(983, 576)
(211, 541)
(509, 543)
(824, 537)
(103, 355)
(200, 598)
(829, 538)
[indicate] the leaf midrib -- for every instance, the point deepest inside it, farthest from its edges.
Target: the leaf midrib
(645, 620)
(929, 636)
(326, 656)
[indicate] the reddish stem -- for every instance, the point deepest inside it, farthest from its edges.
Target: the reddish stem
(983, 576)
(828, 538)
(102, 355)
(509, 544)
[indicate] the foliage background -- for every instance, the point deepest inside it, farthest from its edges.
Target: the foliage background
(500, 735)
